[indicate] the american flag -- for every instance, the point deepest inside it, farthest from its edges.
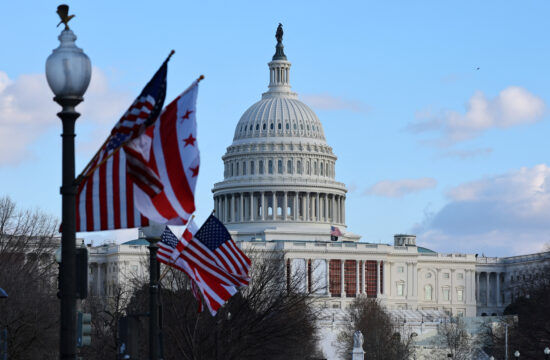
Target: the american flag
(168, 153)
(105, 194)
(210, 258)
(334, 231)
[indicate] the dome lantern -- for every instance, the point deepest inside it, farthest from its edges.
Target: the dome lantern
(279, 69)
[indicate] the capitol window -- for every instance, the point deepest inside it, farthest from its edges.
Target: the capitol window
(280, 166)
(294, 126)
(271, 126)
(250, 127)
(428, 275)
(270, 167)
(321, 169)
(237, 170)
(446, 294)
(445, 275)
(400, 288)
(400, 269)
(301, 126)
(263, 127)
(315, 168)
(252, 168)
(244, 168)
(287, 126)
(279, 126)
(289, 166)
(261, 167)
(428, 292)
(307, 168)
(460, 295)
(231, 169)
(460, 276)
(257, 126)
(299, 167)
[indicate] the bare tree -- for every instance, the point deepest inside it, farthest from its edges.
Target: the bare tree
(271, 319)
(382, 339)
(459, 343)
(28, 274)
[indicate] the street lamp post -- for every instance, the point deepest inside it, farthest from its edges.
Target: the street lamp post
(68, 71)
(152, 235)
(547, 352)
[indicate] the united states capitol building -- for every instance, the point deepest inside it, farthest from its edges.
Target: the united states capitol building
(280, 192)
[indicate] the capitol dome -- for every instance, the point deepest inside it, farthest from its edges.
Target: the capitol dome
(279, 172)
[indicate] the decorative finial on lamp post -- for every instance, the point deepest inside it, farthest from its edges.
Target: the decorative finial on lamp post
(63, 12)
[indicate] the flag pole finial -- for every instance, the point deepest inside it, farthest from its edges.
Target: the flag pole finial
(200, 78)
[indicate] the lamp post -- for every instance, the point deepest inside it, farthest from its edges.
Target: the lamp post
(546, 352)
(68, 71)
(152, 235)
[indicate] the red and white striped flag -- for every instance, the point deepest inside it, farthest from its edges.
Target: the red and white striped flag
(168, 153)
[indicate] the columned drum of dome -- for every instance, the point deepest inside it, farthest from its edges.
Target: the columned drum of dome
(279, 172)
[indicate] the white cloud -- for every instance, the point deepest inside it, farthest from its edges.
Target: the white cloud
(508, 213)
(468, 154)
(513, 106)
(27, 111)
(330, 102)
(399, 188)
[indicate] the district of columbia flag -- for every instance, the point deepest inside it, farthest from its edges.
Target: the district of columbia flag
(105, 194)
(165, 162)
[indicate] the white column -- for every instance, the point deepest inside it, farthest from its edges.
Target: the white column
(326, 208)
(318, 209)
(414, 281)
(296, 206)
(263, 205)
(232, 210)
(343, 287)
(252, 210)
(363, 290)
(328, 276)
(357, 288)
(452, 286)
(487, 288)
(274, 205)
(333, 212)
(498, 289)
(241, 208)
(378, 279)
(226, 208)
(308, 205)
(477, 287)
(285, 205)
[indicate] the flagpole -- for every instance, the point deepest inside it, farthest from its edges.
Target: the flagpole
(85, 173)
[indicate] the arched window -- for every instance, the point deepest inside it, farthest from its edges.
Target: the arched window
(428, 292)
(289, 167)
(308, 170)
(250, 127)
(244, 167)
(231, 169)
(237, 169)
(279, 126)
(315, 168)
(252, 168)
(257, 126)
(280, 166)
(301, 126)
(307, 127)
(261, 167)
(322, 172)
(295, 126)
(270, 166)
(299, 167)
(263, 127)
(271, 126)
(287, 126)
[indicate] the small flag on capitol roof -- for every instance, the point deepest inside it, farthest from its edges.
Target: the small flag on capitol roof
(335, 233)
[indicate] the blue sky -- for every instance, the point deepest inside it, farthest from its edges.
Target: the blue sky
(426, 142)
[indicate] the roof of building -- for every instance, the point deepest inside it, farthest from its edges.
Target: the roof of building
(425, 250)
(136, 242)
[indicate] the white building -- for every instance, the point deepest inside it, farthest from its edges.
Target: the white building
(280, 192)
